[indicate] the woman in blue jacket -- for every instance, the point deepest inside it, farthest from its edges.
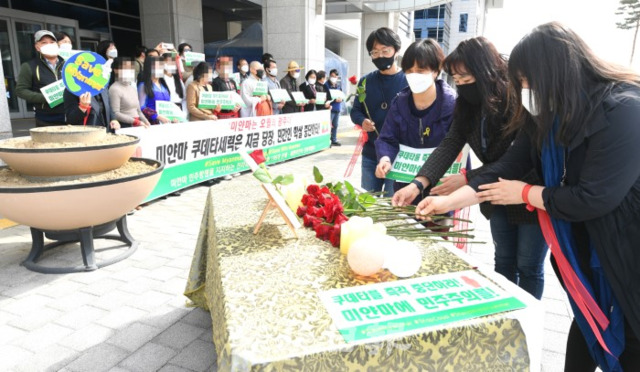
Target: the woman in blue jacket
(421, 114)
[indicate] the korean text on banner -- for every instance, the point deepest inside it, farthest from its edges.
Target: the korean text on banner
(170, 111)
(407, 306)
(299, 98)
(261, 89)
(409, 161)
(53, 93)
(192, 58)
(336, 94)
(210, 100)
(280, 95)
(198, 151)
(321, 98)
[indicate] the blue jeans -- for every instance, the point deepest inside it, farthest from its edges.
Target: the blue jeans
(520, 252)
(335, 118)
(370, 182)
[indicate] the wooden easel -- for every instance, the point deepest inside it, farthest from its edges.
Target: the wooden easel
(273, 204)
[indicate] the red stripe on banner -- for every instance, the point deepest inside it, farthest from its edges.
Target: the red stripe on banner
(364, 137)
(587, 305)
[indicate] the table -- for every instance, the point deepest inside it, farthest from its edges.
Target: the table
(261, 291)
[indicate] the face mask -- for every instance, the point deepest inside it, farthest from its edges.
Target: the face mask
(228, 71)
(296, 75)
(273, 71)
(528, 102)
(50, 49)
(65, 46)
(384, 63)
(333, 80)
(170, 68)
(311, 81)
(158, 73)
(127, 76)
(260, 74)
(113, 53)
(419, 83)
(470, 93)
(244, 68)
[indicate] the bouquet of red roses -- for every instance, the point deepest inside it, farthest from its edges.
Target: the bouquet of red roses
(322, 211)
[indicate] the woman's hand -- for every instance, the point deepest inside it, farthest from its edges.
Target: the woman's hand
(163, 120)
(237, 108)
(212, 117)
(503, 192)
(432, 205)
(312, 101)
(405, 196)
(384, 166)
(114, 124)
(368, 125)
(449, 184)
(85, 100)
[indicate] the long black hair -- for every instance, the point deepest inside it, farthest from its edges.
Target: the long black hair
(481, 59)
(147, 76)
(176, 77)
(200, 70)
(567, 81)
(102, 48)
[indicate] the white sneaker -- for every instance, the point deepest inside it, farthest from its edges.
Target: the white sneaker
(227, 177)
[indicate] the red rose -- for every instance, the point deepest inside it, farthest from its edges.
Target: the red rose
(301, 211)
(309, 220)
(318, 212)
(309, 201)
(325, 190)
(258, 156)
(313, 189)
(340, 219)
(334, 236)
(323, 231)
(353, 80)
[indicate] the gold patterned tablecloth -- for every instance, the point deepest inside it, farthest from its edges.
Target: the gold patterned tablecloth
(262, 290)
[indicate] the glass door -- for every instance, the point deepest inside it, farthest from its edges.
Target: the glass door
(8, 68)
(24, 31)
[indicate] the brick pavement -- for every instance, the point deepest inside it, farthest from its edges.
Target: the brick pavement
(131, 316)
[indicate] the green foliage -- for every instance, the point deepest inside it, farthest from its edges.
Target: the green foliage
(630, 11)
(361, 91)
(317, 176)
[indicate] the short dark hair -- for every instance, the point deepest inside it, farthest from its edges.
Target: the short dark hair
(119, 62)
(103, 46)
(384, 36)
(321, 75)
(200, 69)
(153, 50)
(140, 49)
(334, 71)
(312, 71)
(182, 46)
(60, 35)
(427, 53)
(266, 58)
(240, 60)
(267, 64)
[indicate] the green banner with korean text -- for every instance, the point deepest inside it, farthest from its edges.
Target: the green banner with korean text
(54, 93)
(170, 111)
(409, 161)
(195, 152)
(406, 306)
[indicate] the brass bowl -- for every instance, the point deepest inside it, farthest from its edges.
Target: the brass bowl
(68, 207)
(68, 161)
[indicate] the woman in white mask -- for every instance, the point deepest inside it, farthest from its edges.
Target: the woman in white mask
(123, 95)
(172, 79)
(421, 114)
(480, 120)
(152, 88)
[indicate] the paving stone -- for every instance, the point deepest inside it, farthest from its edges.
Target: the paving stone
(81, 317)
(173, 286)
(101, 287)
(73, 301)
(558, 323)
(60, 288)
(87, 337)
(163, 273)
(113, 300)
(165, 316)
(12, 355)
(197, 356)
(151, 357)
(173, 368)
(129, 274)
(26, 305)
(554, 341)
(89, 277)
(141, 285)
(552, 362)
(119, 369)
(151, 263)
(50, 359)
(198, 317)
(133, 336)
(37, 318)
(179, 335)
(99, 358)
(9, 333)
(122, 317)
(558, 307)
(43, 337)
(150, 301)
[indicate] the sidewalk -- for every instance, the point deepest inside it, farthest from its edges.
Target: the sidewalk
(131, 316)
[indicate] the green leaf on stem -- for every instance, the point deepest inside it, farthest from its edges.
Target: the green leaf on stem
(317, 176)
(262, 175)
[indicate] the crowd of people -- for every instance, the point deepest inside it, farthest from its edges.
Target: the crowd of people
(554, 126)
(163, 74)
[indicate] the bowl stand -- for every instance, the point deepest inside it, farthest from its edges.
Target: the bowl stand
(85, 237)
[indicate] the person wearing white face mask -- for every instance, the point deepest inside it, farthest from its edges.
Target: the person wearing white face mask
(290, 83)
(41, 71)
(171, 78)
(308, 88)
(243, 69)
(336, 105)
(152, 88)
(123, 95)
(421, 114)
(271, 69)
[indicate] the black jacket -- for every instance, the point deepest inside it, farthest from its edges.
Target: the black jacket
(602, 193)
(100, 114)
(308, 94)
(291, 85)
(34, 75)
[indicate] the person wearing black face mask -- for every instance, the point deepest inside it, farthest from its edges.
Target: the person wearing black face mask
(480, 118)
(255, 105)
(381, 88)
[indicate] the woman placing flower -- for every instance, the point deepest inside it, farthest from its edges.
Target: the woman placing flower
(421, 114)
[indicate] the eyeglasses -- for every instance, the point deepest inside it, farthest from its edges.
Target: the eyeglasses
(385, 52)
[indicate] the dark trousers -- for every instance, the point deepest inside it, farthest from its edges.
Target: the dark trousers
(578, 358)
(42, 123)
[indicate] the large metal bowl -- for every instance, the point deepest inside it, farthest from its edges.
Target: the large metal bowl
(68, 161)
(68, 133)
(69, 207)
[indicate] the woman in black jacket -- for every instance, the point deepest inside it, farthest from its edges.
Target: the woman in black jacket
(578, 126)
(309, 90)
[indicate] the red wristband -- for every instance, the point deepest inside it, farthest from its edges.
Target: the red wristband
(136, 122)
(525, 197)
(84, 107)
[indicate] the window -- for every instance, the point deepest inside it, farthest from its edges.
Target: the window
(463, 22)
(417, 33)
(433, 13)
(432, 33)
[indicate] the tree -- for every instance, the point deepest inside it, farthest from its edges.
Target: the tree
(630, 12)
